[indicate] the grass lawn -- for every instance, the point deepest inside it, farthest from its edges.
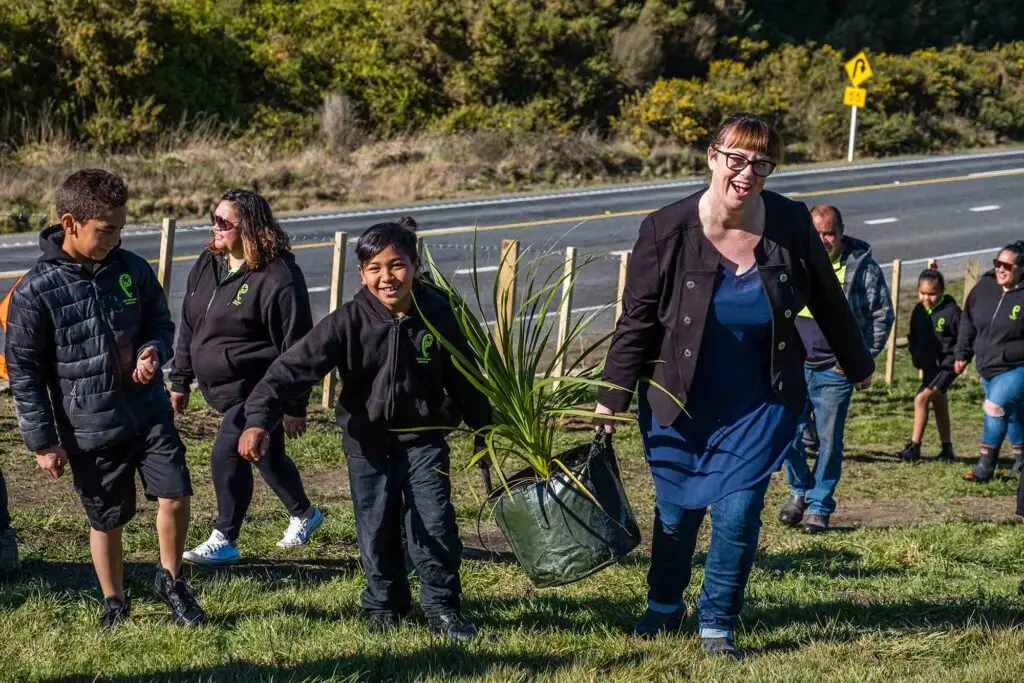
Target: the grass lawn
(918, 582)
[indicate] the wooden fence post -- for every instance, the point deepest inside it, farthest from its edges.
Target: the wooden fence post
(337, 288)
(163, 274)
(507, 273)
(565, 309)
(623, 268)
(890, 355)
(971, 275)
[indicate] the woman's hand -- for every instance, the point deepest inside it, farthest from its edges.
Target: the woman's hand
(607, 426)
(959, 366)
(294, 427)
(179, 402)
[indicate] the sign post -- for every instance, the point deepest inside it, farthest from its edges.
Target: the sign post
(858, 70)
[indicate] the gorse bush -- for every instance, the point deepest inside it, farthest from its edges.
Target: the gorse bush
(115, 74)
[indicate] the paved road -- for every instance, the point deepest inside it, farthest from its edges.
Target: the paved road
(912, 210)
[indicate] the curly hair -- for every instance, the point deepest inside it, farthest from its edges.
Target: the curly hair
(89, 193)
(263, 240)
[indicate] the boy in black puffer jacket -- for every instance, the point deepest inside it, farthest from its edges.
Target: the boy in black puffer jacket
(88, 332)
(933, 331)
(398, 385)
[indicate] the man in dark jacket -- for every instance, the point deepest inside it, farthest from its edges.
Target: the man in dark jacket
(88, 332)
(828, 388)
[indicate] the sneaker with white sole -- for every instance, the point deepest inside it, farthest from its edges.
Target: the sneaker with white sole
(299, 530)
(215, 550)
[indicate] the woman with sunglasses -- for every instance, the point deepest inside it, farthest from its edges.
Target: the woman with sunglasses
(712, 292)
(992, 332)
(246, 303)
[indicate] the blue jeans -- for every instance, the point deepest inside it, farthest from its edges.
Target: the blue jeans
(829, 396)
(735, 529)
(1006, 390)
(5, 518)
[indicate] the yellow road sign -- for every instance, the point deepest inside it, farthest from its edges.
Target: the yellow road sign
(855, 97)
(858, 69)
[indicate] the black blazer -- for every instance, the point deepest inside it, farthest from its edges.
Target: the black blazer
(669, 287)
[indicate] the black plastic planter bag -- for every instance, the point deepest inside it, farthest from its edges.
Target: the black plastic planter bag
(556, 531)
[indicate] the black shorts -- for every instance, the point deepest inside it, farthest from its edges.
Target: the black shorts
(937, 379)
(105, 479)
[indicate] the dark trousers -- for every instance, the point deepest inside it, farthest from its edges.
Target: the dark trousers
(406, 483)
(5, 517)
(232, 474)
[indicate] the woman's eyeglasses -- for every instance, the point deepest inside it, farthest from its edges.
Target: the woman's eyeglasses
(737, 162)
(221, 225)
(997, 264)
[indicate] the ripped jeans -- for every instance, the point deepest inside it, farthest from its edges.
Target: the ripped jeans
(1006, 391)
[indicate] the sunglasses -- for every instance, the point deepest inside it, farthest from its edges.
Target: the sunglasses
(737, 162)
(221, 225)
(997, 264)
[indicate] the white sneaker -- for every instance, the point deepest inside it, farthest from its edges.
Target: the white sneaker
(299, 530)
(217, 549)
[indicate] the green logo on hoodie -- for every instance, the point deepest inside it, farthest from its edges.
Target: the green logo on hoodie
(428, 341)
(125, 283)
(1015, 312)
(940, 325)
(241, 292)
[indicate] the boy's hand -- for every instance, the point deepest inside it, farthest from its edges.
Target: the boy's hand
(294, 427)
(253, 444)
(146, 366)
(179, 402)
(959, 366)
(52, 461)
(608, 426)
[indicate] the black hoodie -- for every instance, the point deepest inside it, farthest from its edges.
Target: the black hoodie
(394, 373)
(234, 326)
(992, 327)
(73, 337)
(933, 334)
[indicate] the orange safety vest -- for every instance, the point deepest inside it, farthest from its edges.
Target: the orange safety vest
(5, 305)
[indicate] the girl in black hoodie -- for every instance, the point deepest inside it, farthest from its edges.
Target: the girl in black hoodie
(246, 303)
(992, 332)
(932, 339)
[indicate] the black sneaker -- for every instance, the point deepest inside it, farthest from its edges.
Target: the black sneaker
(720, 647)
(452, 625)
(793, 511)
(946, 454)
(910, 453)
(383, 621)
(816, 524)
(176, 594)
(115, 610)
(652, 624)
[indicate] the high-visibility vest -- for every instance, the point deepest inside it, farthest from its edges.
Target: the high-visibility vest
(5, 305)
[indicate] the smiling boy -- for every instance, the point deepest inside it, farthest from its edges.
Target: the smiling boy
(88, 331)
(398, 385)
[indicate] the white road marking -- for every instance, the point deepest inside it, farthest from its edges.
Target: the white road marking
(481, 269)
(987, 207)
(314, 290)
(881, 221)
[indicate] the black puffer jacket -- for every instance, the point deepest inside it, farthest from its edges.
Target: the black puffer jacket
(72, 342)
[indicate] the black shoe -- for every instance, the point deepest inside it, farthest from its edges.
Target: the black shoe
(9, 562)
(176, 594)
(816, 524)
(115, 610)
(383, 621)
(946, 454)
(720, 647)
(1018, 466)
(652, 624)
(910, 453)
(988, 461)
(793, 511)
(452, 625)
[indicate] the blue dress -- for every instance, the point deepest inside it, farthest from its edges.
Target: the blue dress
(735, 431)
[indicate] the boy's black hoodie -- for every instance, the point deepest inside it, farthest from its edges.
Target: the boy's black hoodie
(992, 327)
(394, 373)
(933, 334)
(234, 326)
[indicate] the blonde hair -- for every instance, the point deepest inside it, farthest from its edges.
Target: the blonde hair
(749, 131)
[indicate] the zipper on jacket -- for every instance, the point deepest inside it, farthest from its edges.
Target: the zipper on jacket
(109, 332)
(393, 362)
(996, 312)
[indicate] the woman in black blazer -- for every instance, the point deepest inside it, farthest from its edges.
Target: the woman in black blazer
(713, 287)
